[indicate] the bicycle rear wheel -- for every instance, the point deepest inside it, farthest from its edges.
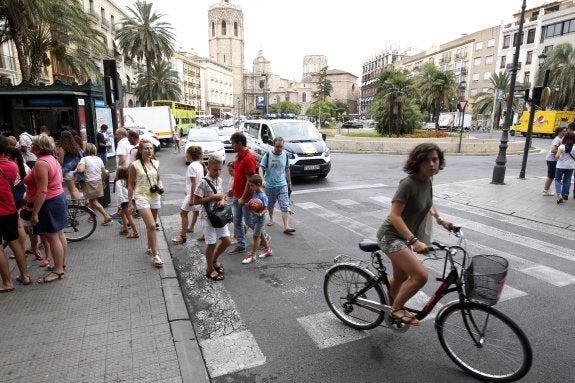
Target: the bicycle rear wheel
(502, 352)
(340, 283)
(81, 223)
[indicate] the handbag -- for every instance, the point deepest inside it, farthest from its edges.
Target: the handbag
(219, 216)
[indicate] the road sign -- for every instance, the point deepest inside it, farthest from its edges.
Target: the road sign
(462, 105)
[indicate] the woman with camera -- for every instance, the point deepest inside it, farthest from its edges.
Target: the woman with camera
(145, 188)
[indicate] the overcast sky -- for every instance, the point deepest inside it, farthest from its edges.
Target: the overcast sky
(346, 32)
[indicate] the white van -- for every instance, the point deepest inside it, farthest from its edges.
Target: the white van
(307, 152)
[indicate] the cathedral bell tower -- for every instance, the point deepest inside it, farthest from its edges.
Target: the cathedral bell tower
(226, 44)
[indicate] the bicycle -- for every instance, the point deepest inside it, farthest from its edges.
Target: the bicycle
(478, 338)
(81, 221)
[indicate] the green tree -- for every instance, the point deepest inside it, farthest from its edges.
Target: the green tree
(285, 107)
(320, 111)
(395, 109)
(145, 37)
(340, 109)
(165, 81)
(39, 28)
(561, 65)
(323, 84)
(436, 88)
(485, 102)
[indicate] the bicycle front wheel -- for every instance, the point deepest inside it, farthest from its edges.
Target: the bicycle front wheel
(484, 342)
(340, 284)
(81, 223)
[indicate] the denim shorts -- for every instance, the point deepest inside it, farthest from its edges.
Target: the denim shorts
(392, 245)
(279, 194)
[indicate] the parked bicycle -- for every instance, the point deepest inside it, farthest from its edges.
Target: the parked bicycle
(480, 339)
(81, 221)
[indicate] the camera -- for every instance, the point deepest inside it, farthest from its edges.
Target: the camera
(156, 189)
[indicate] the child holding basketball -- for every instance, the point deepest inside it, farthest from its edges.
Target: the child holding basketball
(258, 204)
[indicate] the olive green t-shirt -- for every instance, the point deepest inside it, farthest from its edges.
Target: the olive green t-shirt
(418, 199)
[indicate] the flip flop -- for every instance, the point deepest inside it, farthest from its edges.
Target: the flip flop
(6, 290)
(217, 277)
(289, 231)
(46, 280)
(19, 280)
(270, 223)
(106, 222)
(219, 268)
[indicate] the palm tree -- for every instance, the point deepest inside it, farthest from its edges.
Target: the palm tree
(395, 109)
(486, 102)
(436, 88)
(561, 64)
(165, 83)
(61, 28)
(145, 37)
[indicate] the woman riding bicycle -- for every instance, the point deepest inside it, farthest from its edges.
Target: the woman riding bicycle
(410, 205)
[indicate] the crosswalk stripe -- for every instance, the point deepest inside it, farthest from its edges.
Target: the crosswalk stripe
(338, 188)
(327, 331)
(354, 226)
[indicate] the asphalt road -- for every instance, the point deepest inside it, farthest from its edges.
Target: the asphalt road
(268, 321)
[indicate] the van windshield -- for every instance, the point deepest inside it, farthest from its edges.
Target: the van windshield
(296, 131)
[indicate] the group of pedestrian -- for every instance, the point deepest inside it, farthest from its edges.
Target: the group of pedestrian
(560, 164)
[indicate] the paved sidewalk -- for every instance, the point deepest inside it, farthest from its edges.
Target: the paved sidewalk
(516, 197)
(112, 318)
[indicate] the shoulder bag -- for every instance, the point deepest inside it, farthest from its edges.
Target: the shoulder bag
(219, 216)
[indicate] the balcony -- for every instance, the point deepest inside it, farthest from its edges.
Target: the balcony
(105, 23)
(7, 63)
(94, 14)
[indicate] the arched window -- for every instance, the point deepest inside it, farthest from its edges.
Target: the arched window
(236, 29)
(303, 97)
(213, 29)
(223, 28)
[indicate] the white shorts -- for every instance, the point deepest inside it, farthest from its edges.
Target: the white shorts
(68, 176)
(187, 207)
(145, 204)
(211, 234)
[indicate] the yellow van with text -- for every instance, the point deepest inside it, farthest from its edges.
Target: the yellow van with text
(544, 122)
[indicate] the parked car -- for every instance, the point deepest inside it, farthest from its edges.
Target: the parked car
(150, 136)
(428, 126)
(228, 122)
(208, 140)
(225, 133)
(352, 124)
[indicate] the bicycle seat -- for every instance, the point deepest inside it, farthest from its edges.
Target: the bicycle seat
(369, 245)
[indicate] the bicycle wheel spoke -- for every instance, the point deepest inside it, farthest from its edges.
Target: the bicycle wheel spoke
(81, 223)
(342, 282)
(490, 346)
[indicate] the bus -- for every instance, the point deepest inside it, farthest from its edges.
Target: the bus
(184, 114)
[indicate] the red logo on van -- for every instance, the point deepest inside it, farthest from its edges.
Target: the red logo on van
(540, 119)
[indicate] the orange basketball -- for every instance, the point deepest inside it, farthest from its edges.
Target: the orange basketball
(256, 205)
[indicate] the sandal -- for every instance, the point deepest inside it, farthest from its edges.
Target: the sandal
(124, 232)
(46, 280)
(133, 235)
(106, 221)
(179, 239)
(157, 261)
(51, 268)
(406, 319)
(38, 255)
(45, 263)
(219, 267)
(217, 277)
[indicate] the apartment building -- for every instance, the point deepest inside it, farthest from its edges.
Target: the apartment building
(191, 76)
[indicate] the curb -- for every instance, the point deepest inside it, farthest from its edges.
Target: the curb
(190, 358)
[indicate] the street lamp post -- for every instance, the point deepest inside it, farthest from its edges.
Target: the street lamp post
(499, 168)
(535, 99)
(461, 108)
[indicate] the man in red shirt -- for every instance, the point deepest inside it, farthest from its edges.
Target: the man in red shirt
(9, 222)
(244, 167)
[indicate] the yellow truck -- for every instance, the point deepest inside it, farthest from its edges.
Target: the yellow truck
(544, 122)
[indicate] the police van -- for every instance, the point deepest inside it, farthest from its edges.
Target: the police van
(305, 146)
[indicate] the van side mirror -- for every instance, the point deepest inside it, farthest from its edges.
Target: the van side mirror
(324, 136)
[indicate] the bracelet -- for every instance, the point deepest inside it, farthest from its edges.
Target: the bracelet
(439, 220)
(411, 240)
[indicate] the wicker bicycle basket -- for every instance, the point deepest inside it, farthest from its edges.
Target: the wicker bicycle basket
(485, 277)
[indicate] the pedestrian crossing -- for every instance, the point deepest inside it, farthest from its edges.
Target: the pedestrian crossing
(352, 215)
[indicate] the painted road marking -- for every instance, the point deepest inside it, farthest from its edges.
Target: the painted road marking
(339, 188)
(327, 331)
